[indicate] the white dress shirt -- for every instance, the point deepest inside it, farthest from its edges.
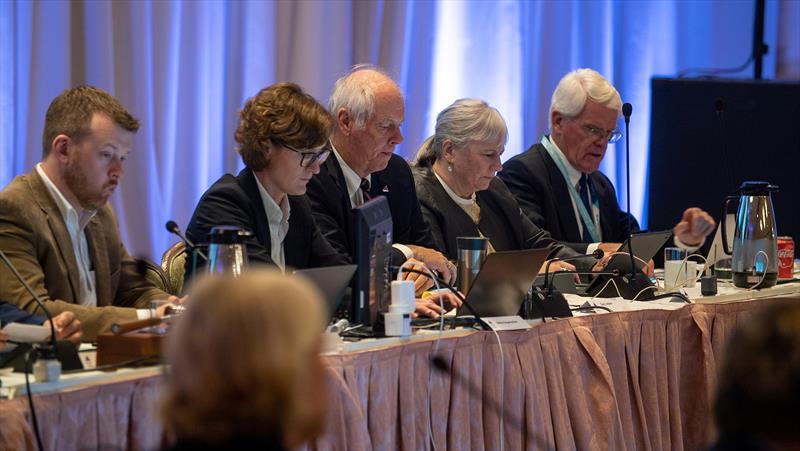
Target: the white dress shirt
(278, 218)
(353, 182)
(76, 221)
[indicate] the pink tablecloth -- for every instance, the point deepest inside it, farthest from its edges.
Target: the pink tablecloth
(625, 381)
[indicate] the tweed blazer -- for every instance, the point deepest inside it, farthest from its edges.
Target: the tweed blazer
(35, 238)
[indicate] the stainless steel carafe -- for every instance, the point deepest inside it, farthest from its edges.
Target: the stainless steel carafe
(227, 253)
(471, 253)
(755, 240)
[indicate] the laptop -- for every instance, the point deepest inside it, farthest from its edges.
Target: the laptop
(503, 282)
(332, 281)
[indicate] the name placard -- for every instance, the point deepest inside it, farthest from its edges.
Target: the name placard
(498, 323)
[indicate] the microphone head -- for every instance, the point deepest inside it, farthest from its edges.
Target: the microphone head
(440, 364)
(719, 105)
(627, 109)
(172, 227)
(598, 254)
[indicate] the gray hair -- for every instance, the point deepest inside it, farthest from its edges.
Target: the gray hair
(463, 122)
(580, 85)
(357, 94)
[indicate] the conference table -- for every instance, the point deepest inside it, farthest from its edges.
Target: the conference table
(639, 378)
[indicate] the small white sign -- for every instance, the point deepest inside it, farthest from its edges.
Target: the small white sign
(498, 323)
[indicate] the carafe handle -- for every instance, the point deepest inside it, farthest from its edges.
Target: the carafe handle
(724, 225)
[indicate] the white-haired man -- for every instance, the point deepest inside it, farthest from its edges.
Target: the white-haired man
(368, 109)
(557, 181)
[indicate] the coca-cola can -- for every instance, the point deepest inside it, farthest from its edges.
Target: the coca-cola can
(785, 257)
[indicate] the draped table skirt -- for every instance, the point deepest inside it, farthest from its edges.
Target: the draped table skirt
(640, 380)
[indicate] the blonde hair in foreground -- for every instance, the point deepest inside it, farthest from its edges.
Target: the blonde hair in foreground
(244, 362)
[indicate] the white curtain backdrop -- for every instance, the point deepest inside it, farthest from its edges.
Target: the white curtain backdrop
(184, 68)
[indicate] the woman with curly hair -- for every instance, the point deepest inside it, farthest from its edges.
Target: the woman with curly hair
(283, 139)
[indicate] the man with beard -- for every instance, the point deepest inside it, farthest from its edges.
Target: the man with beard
(56, 225)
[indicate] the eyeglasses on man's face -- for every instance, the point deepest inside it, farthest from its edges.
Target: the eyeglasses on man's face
(309, 157)
(596, 132)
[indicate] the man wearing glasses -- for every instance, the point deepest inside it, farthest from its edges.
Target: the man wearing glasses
(282, 138)
(557, 181)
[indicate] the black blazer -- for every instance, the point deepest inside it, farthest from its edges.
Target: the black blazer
(501, 221)
(236, 201)
(535, 180)
(330, 203)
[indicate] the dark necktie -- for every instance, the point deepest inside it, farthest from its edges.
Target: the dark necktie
(586, 198)
(365, 190)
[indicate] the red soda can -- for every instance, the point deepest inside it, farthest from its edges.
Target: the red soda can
(785, 257)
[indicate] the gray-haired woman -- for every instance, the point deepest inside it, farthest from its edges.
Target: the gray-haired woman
(459, 192)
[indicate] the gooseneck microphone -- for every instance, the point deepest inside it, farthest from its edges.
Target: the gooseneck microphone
(627, 109)
(172, 227)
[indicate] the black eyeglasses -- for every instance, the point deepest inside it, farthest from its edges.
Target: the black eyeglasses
(309, 157)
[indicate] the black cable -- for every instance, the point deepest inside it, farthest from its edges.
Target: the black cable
(672, 294)
(591, 307)
(30, 400)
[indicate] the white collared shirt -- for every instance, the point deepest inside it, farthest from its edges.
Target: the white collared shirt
(574, 180)
(76, 222)
(470, 206)
(278, 218)
(353, 182)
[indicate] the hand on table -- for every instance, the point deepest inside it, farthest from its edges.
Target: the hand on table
(430, 307)
(609, 248)
(557, 267)
(436, 261)
(67, 327)
(648, 269)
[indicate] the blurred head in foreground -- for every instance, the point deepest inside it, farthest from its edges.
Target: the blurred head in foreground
(244, 363)
(758, 395)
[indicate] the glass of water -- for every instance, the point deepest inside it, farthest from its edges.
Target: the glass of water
(675, 267)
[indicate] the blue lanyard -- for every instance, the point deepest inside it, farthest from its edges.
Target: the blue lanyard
(588, 223)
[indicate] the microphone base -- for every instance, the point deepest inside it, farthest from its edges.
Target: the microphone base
(628, 287)
(547, 305)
